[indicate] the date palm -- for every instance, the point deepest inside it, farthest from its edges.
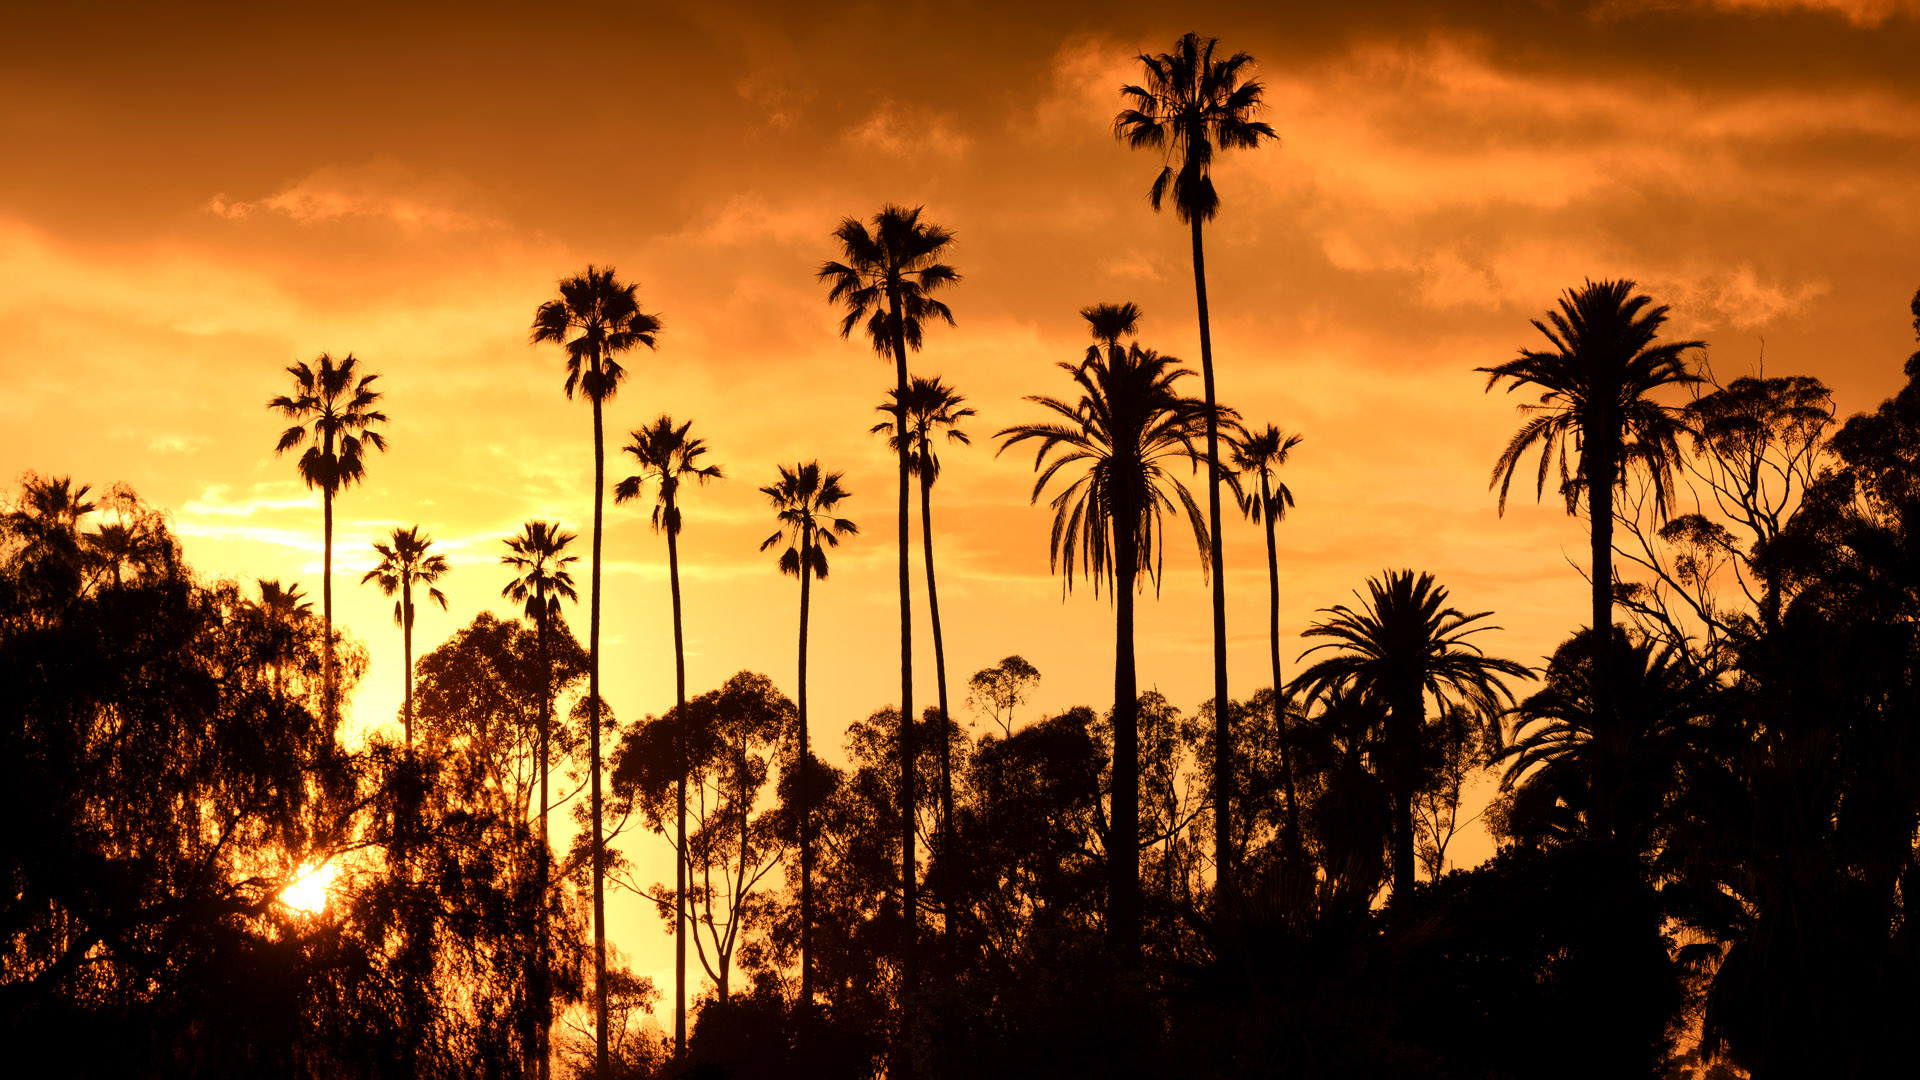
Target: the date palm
(1119, 441)
(404, 563)
(804, 501)
(1402, 644)
(931, 407)
(1192, 105)
(332, 404)
(667, 455)
(1594, 384)
(539, 559)
(1261, 455)
(596, 319)
(886, 282)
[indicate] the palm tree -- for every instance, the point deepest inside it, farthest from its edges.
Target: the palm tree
(804, 501)
(931, 406)
(1128, 426)
(1262, 454)
(1191, 104)
(596, 319)
(1401, 644)
(404, 563)
(667, 455)
(332, 404)
(887, 281)
(281, 608)
(540, 560)
(1593, 386)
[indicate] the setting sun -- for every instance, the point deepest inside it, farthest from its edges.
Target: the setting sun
(308, 892)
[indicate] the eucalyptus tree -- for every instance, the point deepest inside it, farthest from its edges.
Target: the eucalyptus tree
(887, 281)
(539, 559)
(1120, 437)
(1402, 644)
(1191, 105)
(668, 455)
(404, 563)
(596, 319)
(1594, 387)
(804, 500)
(333, 405)
(1260, 455)
(931, 406)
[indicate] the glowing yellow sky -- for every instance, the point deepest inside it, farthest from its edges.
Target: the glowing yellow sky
(190, 202)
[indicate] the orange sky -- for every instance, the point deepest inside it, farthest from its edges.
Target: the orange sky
(190, 202)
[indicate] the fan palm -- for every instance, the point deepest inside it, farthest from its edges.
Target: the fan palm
(331, 404)
(281, 608)
(887, 281)
(667, 455)
(931, 406)
(1593, 384)
(1122, 435)
(539, 559)
(404, 563)
(1261, 455)
(803, 501)
(596, 319)
(1191, 105)
(1400, 645)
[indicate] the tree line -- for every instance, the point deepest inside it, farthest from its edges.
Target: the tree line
(1707, 809)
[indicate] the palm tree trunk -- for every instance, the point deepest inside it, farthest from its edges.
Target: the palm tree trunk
(593, 750)
(909, 864)
(679, 856)
(1123, 827)
(1603, 459)
(1222, 760)
(406, 647)
(947, 850)
(543, 1008)
(326, 599)
(1291, 844)
(803, 790)
(1404, 718)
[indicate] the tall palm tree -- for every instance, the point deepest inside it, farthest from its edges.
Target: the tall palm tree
(1593, 384)
(887, 280)
(596, 319)
(539, 559)
(931, 406)
(332, 404)
(1191, 104)
(1127, 428)
(803, 501)
(1261, 455)
(1400, 645)
(404, 563)
(667, 455)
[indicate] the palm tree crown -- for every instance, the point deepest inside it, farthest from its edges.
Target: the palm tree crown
(404, 563)
(803, 503)
(889, 276)
(666, 455)
(931, 407)
(539, 559)
(1259, 456)
(1191, 105)
(596, 318)
(335, 408)
(280, 603)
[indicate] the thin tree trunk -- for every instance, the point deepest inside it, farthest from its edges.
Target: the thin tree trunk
(909, 865)
(326, 596)
(1404, 720)
(543, 1014)
(1603, 459)
(803, 791)
(1222, 759)
(406, 646)
(593, 750)
(948, 852)
(1291, 845)
(1123, 829)
(679, 855)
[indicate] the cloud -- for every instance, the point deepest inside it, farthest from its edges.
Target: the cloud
(381, 190)
(901, 131)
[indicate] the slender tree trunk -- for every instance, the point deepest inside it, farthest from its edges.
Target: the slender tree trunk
(1404, 720)
(1603, 460)
(593, 751)
(406, 647)
(679, 854)
(1123, 829)
(1291, 845)
(909, 864)
(1222, 757)
(804, 792)
(326, 599)
(948, 852)
(543, 1009)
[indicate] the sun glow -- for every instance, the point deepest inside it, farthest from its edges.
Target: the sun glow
(308, 892)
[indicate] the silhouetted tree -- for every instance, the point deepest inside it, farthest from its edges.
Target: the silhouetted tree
(1262, 454)
(596, 319)
(404, 562)
(667, 455)
(334, 408)
(1127, 426)
(1001, 688)
(1190, 106)
(887, 281)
